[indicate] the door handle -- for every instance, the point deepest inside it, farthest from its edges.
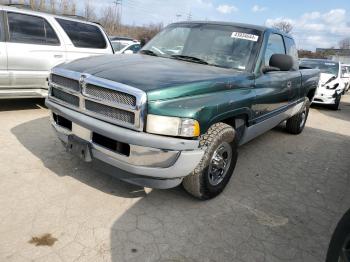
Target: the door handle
(58, 56)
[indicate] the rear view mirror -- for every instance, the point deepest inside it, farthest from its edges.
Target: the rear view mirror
(128, 52)
(281, 61)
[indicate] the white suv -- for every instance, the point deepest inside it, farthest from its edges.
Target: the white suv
(31, 43)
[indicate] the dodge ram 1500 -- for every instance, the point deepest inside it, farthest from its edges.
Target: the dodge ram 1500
(177, 111)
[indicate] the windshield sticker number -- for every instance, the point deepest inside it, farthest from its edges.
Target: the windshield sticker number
(245, 36)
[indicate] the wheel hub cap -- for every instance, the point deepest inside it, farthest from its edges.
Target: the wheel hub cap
(345, 252)
(303, 118)
(220, 163)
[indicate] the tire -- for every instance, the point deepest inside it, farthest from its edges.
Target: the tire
(220, 147)
(337, 103)
(295, 125)
(340, 241)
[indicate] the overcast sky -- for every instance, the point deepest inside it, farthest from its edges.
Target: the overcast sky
(316, 23)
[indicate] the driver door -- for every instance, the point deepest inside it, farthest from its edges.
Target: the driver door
(272, 88)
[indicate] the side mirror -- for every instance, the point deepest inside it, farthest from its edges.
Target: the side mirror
(281, 61)
(128, 52)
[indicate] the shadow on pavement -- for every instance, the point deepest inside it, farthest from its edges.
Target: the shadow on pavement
(282, 203)
(343, 113)
(39, 138)
(21, 104)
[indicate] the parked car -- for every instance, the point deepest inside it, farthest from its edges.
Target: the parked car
(34, 42)
(331, 85)
(168, 119)
(123, 45)
(129, 49)
(346, 76)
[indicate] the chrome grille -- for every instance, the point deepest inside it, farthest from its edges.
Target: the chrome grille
(65, 97)
(109, 95)
(103, 99)
(65, 82)
(110, 112)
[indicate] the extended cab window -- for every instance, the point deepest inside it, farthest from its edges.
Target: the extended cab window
(275, 45)
(83, 35)
(30, 29)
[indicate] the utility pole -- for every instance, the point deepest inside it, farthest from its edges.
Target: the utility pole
(119, 8)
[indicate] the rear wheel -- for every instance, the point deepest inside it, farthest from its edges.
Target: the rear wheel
(216, 167)
(295, 125)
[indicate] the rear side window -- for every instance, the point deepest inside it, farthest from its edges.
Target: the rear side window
(83, 35)
(292, 51)
(30, 29)
(275, 45)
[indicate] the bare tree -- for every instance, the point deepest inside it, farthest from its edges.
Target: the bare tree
(89, 11)
(345, 43)
(284, 26)
(110, 19)
(42, 5)
(53, 6)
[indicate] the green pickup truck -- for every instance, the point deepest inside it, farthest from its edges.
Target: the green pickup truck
(176, 112)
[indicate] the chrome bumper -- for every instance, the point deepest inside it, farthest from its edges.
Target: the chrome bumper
(150, 155)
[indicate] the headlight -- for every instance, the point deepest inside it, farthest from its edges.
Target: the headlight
(334, 87)
(172, 126)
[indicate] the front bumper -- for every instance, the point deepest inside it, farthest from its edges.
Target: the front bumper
(152, 156)
(326, 96)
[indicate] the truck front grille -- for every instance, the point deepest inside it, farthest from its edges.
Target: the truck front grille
(65, 82)
(102, 99)
(110, 112)
(109, 95)
(65, 97)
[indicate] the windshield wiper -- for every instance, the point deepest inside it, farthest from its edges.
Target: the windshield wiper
(148, 52)
(190, 59)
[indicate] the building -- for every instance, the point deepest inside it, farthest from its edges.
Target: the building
(341, 55)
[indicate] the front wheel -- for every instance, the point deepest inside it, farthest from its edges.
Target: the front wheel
(214, 171)
(336, 104)
(295, 125)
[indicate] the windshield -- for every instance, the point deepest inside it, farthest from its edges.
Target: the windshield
(327, 67)
(218, 45)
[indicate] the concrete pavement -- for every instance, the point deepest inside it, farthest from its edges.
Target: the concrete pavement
(282, 203)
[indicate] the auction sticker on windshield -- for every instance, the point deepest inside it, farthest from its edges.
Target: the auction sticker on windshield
(245, 36)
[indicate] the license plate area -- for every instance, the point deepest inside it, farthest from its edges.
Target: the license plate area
(79, 147)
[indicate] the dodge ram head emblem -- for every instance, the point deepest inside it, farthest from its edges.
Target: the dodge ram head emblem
(82, 80)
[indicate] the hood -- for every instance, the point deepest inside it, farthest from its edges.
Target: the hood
(150, 73)
(324, 78)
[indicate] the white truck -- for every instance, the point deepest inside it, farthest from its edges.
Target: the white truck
(331, 86)
(32, 43)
